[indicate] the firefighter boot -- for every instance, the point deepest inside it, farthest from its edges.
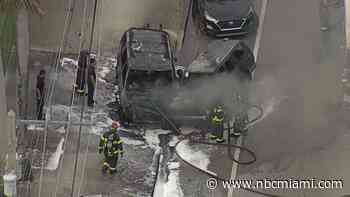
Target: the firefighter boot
(212, 137)
(112, 171)
(220, 140)
(104, 169)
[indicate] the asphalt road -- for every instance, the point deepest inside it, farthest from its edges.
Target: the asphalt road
(294, 69)
(300, 70)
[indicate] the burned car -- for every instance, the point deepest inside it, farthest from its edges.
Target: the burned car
(145, 71)
(223, 56)
(225, 17)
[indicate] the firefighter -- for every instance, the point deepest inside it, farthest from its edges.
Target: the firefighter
(82, 64)
(240, 124)
(111, 145)
(91, 82)
(40, 93)
(217, 117)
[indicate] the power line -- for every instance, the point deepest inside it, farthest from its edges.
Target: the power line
(82, 29)
(83, 100)
(67, 25)
(96, 83)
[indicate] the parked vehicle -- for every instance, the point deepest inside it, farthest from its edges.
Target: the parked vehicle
(223, 56)
(145, 70)
(222, 18)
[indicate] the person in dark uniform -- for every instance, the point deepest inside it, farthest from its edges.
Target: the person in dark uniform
(40, 94)
(111, 145)
(82, 64)
(217, 117)
(91, 82)
(240, 124)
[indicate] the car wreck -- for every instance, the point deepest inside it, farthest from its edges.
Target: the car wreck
(152, 90)
(145, 70)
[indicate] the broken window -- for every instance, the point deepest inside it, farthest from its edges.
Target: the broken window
(148, 79)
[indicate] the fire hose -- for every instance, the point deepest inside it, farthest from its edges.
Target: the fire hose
(190, 138)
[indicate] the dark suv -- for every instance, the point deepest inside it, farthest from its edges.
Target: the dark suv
(145, 71)
(222, 18)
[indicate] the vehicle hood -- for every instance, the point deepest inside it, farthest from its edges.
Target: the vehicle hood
(223, 10)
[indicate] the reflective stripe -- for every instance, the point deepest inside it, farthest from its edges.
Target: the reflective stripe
(117, 151)
(103, 138)
(112, 168)
(106, 164)
(117, 142)
(100, 147)
(217, 119)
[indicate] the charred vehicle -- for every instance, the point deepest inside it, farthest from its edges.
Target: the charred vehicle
(145, 72)
(152, 90)
(225, 17)
(223, 56)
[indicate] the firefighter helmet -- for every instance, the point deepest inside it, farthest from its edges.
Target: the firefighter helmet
(115, 124)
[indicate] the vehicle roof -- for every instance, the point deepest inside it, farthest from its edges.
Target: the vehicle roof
(210, 60)
(149, 49)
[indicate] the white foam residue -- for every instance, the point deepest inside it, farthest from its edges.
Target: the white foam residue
(152, 138)
(173, 165)
(34, 128)
(66, 61)
(131, 141)
(104, 71)
(174, 140)
(61, 130)
(102, 80)
(170, 188)
(196, 157)
(55, 157)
